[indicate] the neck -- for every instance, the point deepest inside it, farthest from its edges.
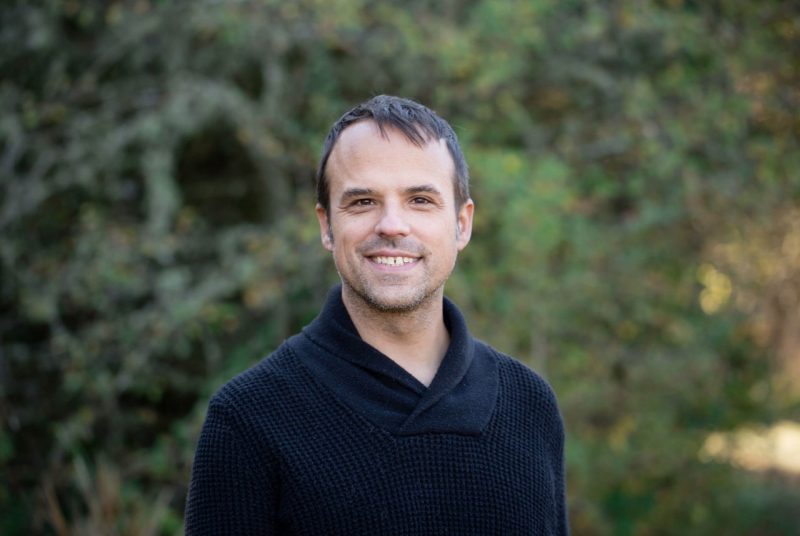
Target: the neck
(416, 340)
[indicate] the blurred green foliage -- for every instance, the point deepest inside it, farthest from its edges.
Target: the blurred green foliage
(637, 234)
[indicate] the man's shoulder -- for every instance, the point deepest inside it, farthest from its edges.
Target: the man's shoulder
(518, 377)
(269, 379)
(525, 394)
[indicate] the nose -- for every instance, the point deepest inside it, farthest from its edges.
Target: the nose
(392, 223)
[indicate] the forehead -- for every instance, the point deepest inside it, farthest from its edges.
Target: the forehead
(363, 154)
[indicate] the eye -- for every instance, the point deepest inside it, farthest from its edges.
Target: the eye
(363, 202)
(421, 200)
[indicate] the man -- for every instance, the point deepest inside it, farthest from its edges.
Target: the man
(384, 416)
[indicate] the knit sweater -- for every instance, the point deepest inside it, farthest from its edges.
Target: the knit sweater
(328, 436)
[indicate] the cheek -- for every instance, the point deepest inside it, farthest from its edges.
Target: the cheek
(351, 231)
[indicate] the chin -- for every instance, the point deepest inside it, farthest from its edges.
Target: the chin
(390, 302)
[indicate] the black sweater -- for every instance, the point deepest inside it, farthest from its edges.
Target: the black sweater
(328, 436)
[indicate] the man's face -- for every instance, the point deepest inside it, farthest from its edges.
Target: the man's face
(393, 226)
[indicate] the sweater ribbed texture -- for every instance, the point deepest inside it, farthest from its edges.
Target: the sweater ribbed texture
(293, 447)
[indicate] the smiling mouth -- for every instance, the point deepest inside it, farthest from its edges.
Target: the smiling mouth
(393, 261)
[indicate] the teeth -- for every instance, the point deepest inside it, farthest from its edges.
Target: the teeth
(394, 261)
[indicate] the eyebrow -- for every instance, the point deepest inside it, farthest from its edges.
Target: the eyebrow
(424, 189)
(358, 192)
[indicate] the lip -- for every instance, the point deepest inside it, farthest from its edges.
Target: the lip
(392, 267)
(391, 253)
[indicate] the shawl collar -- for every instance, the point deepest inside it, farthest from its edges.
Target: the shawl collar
(459, 400)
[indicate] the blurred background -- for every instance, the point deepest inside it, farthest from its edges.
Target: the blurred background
(637, 236)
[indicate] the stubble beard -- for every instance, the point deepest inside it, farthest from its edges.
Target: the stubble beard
(392, 297)
(375, 300)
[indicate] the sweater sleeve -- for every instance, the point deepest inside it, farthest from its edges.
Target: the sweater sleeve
(233, 488)
(561, 495)
(557, 438)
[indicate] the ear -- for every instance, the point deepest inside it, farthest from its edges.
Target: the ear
(464, 224)
(325, 233)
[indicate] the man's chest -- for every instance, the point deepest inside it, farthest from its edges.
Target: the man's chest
(347, 481)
